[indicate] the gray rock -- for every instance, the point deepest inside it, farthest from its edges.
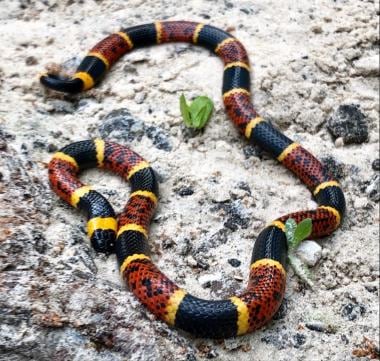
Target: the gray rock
(159, 138)
(234, 262)
(352, 310)
(121, 125)
(320, 326)
(373, 188)
(376, 164)
(349, 123)
(310, 252)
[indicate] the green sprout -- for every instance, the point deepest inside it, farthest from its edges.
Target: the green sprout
(197, 113)
(295, 234)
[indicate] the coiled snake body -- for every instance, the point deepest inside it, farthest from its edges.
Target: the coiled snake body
(128, 236)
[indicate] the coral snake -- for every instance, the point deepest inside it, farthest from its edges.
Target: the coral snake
(128, 236)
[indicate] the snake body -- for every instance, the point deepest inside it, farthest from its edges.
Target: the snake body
(238, 314)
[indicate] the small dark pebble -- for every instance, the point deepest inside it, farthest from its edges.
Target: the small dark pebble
(371, 288)
(244, 186)
(159, 138)
(320, 327)
(234, 262)
(3, 145)
(190, 357)
(245, 11)
(344, 339)
(185, 191)
(351, 311)
(39, 144)
(349, 123)
(31, 60)
(51, 148)
(130, 69)
(298, 340)
(202, 264)
(234, 212)
(376, 164)
(372, 188)
(231, 224)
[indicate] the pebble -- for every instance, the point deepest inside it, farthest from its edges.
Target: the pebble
(367, 66)
(31, 60)
(352, 311)
(221, 195)
(349, 123)
(185, 191)
(121, 125)
(236, 214)
(320, 327)
(140, 97)
(339, 142)
(376, 164)
(373, 188)
(234, 262)
(310, 252)
(159, 138)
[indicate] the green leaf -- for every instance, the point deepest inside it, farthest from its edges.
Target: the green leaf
(198, 113)
(290, 227)
(302, 231)
(185, 111)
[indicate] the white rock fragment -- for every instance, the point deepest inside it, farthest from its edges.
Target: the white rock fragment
(339, 142)
(368, 65)
(310, 252)
(206, 279)
(360, 202)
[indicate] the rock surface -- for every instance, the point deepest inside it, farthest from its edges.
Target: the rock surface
(59, 300)
(349, 123)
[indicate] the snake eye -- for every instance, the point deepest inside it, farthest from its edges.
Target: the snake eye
(54, 82)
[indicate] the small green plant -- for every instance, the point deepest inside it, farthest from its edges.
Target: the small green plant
(197, 113)
(295, 234)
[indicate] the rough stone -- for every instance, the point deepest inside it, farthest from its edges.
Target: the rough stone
(376, 164)
(349, 123)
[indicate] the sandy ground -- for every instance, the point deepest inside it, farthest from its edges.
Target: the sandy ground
(61, 301)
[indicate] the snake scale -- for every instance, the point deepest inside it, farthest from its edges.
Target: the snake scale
(128, 236)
